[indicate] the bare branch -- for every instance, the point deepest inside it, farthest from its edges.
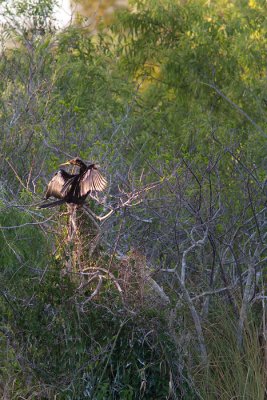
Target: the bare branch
(195, 244)
(196, 319)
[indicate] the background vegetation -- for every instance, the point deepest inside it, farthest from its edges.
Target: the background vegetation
(166, 297)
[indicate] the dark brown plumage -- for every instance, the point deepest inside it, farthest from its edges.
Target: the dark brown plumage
(74, 189)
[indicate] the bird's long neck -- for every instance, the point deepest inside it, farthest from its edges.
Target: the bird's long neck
(83, 167)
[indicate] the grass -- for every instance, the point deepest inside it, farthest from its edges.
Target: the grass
(232, 373)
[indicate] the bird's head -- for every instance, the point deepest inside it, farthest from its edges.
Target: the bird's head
(75, 161)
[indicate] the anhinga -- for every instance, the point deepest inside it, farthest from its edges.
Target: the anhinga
(73, 189)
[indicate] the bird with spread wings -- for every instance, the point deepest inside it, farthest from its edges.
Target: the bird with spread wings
(74, 188)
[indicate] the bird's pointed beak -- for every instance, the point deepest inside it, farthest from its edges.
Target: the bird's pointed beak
(66, 163)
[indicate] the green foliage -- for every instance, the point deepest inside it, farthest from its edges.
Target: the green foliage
(32, 16)
(181, 53)
(23, 242)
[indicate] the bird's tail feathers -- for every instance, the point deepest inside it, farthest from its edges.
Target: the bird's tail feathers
(54, 204)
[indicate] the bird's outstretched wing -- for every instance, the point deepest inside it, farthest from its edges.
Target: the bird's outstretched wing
(92, 181)
(56, 184)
